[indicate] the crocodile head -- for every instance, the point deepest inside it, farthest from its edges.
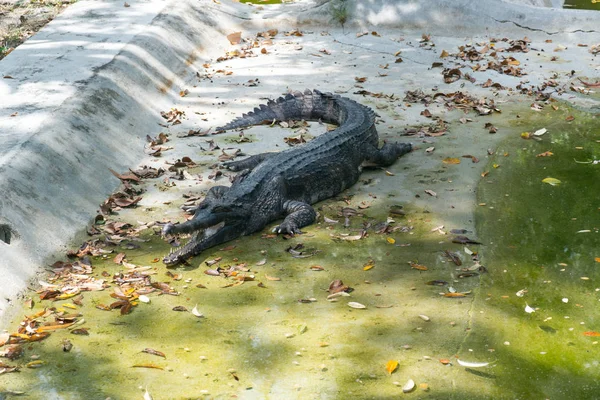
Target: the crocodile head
(210, 226)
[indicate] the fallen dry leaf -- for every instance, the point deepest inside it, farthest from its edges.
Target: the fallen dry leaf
(391, 366)
(451, 160)
(235, 38)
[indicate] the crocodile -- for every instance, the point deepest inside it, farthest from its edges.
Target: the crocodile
(272, 186)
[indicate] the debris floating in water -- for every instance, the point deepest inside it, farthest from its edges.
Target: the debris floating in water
(147, 395)
(154, 352)
(528, 309)
(144, 299)
(551, 181)
(409, 386)
(391, 366)
(354, 304)
(469, 364)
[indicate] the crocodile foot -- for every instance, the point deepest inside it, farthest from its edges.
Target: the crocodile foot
(288, 227)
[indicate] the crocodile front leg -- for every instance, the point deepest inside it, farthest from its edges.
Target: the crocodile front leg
(299, 214)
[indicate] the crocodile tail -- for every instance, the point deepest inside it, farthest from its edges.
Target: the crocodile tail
(312, 105)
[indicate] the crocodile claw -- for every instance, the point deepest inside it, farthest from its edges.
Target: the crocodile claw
(290, 229)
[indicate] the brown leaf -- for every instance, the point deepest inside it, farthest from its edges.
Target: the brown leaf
(125, 177)
(337, 286)
(49, 294)
(235, 38)
(148, 365)
(491, 128)
(590, 84)
(12, 352)
(473, 158)
(451, 75)
(154, 352)
(418, 266)
(119, 258)
(457, 294)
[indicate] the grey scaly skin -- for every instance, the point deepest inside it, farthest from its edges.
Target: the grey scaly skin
(272, 186)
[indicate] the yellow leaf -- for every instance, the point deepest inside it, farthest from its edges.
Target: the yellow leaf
(391, 240)
(368, 267)
(495, 165)
(418, 266)
(65, 296)
(551, 181)
(545, 154)
(35, 364)
(46, 328)
(391, 366)
(451, 160)
(444, 54)
(597, 259)
(148, 365)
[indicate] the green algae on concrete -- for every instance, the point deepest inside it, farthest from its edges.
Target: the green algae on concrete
(269, 340)
(274, 340)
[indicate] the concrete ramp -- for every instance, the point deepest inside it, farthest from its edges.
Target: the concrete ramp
(77, 99)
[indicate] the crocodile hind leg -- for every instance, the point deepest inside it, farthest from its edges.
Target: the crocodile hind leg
(385, 156)
(299, 214)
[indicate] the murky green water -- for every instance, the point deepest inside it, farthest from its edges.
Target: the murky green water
(582, 4)
(541, 244)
